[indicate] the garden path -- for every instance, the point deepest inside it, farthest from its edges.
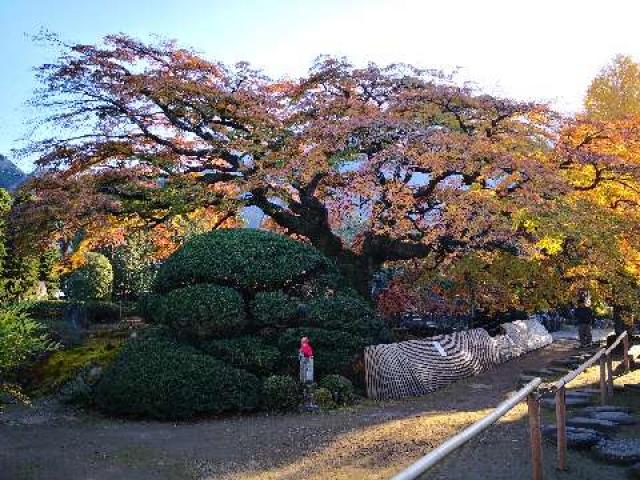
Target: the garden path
(370, 441)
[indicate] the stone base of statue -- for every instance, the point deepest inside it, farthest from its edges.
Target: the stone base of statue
(308, 403)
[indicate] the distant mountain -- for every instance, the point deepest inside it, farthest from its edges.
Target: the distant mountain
(10, 176)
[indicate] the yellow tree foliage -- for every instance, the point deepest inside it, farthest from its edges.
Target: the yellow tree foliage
(615, 92)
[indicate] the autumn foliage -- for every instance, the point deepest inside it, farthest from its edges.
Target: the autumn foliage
(475, 198)
(368, 164)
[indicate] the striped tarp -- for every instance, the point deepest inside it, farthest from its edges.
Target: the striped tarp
(416, 367)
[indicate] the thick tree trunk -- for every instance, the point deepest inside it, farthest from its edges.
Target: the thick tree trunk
(358, 270)
(310, 218)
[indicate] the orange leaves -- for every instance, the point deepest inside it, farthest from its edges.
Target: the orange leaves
(383, 163)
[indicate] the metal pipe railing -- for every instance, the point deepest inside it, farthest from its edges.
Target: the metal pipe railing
(603, 356)
(574, 373)
(529, 391)
(433, 457)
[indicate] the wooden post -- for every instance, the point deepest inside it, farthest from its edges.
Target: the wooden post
(603, 382)
(561, 425)
(535, 435)
(627, 360)
(609, 375)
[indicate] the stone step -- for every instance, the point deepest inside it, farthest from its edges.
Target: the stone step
(605, 408)
(543, 372)
(592, 391)
(621, 451)
(621, 418)
(578, 438)
(592, 423)
(579, 393)
(564, 362)
(558, 370)
(580, 358)
(569, 402)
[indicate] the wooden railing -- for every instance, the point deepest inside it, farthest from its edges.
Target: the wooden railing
(529, 391)
(604, 357)
(533, 392)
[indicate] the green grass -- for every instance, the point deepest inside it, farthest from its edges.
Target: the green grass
(63, 365)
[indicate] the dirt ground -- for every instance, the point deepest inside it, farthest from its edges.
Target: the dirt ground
(371, 441)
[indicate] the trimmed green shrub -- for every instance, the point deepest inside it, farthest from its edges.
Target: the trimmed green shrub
(244, 298)
(48, 309)
(243, 258)
(334, 351)
(273, 308)
(340, 387)
(248, 353)
(155, 377)
(323, 398)
(151, 307)
(327, 282)
(90, 312)
(341, 312)
(280, 392)
(102, 312)
(204, 311)
(92, 281)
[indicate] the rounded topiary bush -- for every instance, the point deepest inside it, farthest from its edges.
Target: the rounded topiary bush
(203, 311)
(324, 399)
(242, 258)
(92, 281)
(280, 393)
(342, 312)
(156, 377)
(250, 353)
(334, 350)
(340, 387)
(244, 298)
(274, 308)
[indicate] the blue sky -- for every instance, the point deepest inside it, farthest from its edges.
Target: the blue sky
(544, 50)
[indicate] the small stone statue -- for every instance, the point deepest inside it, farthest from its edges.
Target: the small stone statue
(305, 354)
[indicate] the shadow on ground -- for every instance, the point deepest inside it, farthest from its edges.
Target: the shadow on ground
(372, 441)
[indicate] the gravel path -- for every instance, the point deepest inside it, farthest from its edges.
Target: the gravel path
(370, 441)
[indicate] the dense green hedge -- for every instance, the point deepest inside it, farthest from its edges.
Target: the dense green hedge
(274, 308)
(243, 258)
(155, 377)
(341, 312)
(334, 351)
(328, 281)
(249, 353)
(341, 389)
(86, 312)
(280, 393)
(92, 281)
(244, 298)
(204, 311)
(48, 309)
(101, 312)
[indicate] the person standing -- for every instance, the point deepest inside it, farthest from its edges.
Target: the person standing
(305, 354)
(584, 316)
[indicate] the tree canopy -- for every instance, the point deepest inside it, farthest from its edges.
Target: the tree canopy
(615, 92)
(412, 163)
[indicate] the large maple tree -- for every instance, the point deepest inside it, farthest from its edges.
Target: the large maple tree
(368, 164)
